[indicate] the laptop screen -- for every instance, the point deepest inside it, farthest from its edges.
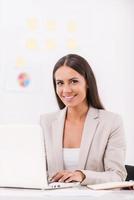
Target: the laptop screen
(22, 156)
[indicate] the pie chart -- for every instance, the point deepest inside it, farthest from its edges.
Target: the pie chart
(24, 79)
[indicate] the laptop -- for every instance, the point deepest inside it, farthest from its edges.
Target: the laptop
(23, 159)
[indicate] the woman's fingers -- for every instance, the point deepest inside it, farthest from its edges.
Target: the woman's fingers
(67, 176)
(61, 176)
(76, 176)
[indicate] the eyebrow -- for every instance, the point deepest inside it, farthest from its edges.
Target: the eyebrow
(69, 79)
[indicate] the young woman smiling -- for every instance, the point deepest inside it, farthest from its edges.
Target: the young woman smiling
(84, 142)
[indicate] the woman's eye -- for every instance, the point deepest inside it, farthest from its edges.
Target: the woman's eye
(59, 83)
(74, 81)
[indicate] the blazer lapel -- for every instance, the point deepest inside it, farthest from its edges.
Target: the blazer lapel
(89, 130)
(58, 129)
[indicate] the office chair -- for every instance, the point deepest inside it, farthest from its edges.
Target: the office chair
(130, 172)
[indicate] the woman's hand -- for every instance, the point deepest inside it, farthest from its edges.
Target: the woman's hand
(68, 176)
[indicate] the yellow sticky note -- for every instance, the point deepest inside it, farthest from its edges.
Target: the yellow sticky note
(71, 44)
(32, 24)
(20, 62)
(71, 26)
(31, 43)
(51, 25)
(50, 44)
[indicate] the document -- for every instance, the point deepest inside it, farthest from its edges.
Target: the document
(111, 185)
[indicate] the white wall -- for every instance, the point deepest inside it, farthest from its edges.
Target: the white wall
(34, 34)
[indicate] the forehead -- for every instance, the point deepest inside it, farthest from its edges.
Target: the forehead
(66, 72)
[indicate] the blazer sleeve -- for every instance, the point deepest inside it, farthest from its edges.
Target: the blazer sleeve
(114, 157)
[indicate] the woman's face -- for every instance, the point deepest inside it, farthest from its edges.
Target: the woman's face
(71, 86)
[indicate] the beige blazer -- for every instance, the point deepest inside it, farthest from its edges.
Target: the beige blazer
(102, 150)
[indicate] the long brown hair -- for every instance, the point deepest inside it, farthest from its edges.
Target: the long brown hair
(80, 65)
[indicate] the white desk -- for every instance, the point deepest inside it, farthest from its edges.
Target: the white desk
(81, 193)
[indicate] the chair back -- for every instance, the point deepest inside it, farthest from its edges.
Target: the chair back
(130, 172)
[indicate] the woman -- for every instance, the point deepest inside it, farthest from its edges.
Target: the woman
(83, 142)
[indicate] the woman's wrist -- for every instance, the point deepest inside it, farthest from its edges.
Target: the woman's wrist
(82, 175)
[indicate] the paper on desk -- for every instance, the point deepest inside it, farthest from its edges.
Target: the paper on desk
(111, 185)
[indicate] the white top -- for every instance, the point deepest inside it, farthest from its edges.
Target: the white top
(70, 158)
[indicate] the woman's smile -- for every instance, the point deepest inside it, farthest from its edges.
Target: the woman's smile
(69, 98)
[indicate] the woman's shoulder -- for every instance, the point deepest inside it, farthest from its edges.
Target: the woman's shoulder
(51, 116)
(106, 113)
(109, 116)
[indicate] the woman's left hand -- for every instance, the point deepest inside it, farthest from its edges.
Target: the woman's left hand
(68, 176)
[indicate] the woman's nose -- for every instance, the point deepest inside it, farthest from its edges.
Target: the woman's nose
(67, 88)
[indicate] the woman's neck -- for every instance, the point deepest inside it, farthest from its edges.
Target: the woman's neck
(77, 113)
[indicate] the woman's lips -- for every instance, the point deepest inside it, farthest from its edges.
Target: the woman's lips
(69, 98)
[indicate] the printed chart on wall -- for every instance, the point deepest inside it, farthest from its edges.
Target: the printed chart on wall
(33, 38)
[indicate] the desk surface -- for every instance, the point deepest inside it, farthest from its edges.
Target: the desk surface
(65, 194)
